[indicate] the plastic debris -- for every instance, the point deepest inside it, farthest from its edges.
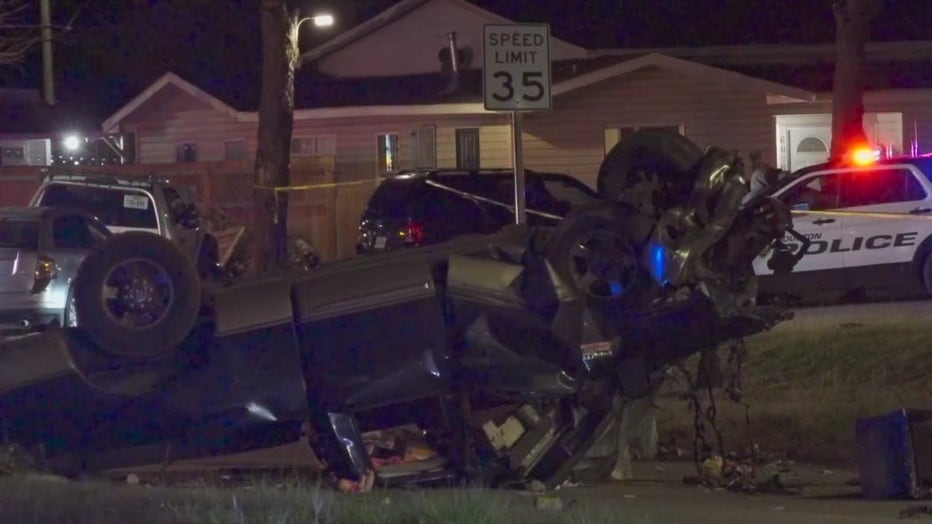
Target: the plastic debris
(547, 503)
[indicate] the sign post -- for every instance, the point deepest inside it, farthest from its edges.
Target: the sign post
(516, 77)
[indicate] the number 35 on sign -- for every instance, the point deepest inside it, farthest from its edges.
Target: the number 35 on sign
(516, 66)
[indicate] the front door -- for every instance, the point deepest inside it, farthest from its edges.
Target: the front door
(808, 145)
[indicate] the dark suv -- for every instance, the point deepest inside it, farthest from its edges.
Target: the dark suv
(420, 207)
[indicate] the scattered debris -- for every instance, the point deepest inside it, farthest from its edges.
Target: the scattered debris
(916, 511)
(14, 459)
(361, 486)
(553, 503)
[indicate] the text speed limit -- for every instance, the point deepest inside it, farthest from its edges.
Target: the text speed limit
(516, 67)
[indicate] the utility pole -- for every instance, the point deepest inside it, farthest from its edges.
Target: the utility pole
(48, 80)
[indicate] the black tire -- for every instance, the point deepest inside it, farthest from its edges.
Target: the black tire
(161, 279)
(927, 273)
(651, 170)
(596, 249)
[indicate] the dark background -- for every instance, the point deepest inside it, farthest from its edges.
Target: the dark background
(117, 48)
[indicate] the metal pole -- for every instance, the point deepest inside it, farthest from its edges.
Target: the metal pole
(518, 162)
(48, 86)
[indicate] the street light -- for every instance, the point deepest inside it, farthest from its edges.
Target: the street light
(325, 20)
(321, 20)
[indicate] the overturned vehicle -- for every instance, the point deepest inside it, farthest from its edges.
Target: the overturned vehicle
(511, 353)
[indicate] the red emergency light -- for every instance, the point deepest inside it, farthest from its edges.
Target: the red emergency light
(863, 155)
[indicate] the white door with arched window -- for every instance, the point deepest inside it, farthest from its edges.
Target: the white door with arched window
(809, 146)
(804, 140)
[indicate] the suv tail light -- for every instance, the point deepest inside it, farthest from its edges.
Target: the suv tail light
(45, 272)
(413, 233)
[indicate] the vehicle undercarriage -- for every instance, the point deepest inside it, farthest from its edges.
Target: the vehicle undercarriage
(513, 354)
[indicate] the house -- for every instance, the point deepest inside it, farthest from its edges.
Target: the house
(383, 96)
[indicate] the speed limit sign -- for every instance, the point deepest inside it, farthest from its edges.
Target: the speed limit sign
(516, 66)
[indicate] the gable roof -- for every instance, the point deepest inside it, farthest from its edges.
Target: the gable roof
(685, 67)
(385, 18)
(819, 76)
(327, 97)
(168, 79)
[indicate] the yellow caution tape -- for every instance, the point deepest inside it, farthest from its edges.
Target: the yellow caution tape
(329, 185)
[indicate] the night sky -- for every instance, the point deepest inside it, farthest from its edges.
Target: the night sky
(118, 47)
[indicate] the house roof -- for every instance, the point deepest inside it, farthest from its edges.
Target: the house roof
(428, 88)
(429, 93)
(168, 79)
(819, 76)
(399, 10)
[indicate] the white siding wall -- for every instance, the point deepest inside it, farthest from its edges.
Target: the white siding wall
(173, 117)
(571, 137)
(495, 145)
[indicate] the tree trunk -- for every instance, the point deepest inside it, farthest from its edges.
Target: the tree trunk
(852, 18)
(276, 119)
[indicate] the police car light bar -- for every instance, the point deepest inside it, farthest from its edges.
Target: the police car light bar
(864, 155)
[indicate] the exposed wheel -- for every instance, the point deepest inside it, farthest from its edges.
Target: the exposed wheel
(927, 273)
(596, 250)
(137, 295)
(650, 170)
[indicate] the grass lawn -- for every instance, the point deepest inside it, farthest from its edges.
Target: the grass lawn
(807, 383)
(27, 501)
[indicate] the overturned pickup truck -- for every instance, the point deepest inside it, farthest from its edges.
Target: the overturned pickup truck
(511, 352)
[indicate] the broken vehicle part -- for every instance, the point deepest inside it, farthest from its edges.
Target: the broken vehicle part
(511, 351)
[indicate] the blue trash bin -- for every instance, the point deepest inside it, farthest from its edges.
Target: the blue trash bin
(892, 452)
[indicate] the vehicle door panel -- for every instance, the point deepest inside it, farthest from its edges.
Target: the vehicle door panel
(813, 193)
(371, 338)
(880, 239)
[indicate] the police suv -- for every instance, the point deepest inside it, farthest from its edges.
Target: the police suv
(868, 227)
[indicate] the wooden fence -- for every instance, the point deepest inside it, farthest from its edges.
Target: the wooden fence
(327, 217)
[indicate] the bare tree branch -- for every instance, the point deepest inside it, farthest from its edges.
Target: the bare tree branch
(15, 39)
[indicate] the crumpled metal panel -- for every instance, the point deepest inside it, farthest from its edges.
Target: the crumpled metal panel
(711, 241)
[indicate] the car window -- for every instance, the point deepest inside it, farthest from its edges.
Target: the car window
(565, 191)
(73, 232)
(880, 186)
(392, 199)
(113, 207)
(19, 233)
(815, 193)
